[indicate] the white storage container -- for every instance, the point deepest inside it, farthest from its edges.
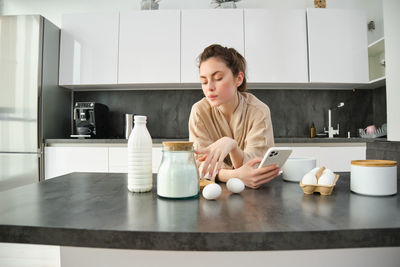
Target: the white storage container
(295, 168)
(178, 175)
(374, 177)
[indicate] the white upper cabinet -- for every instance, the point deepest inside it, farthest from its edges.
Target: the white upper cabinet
(276, 45)
(201, 28)
(89, 49)
(149, 47)
(338, 46)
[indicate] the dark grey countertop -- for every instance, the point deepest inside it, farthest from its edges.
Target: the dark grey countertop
(159, 140)
(96, 210)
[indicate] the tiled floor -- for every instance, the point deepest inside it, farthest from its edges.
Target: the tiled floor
(27, 255)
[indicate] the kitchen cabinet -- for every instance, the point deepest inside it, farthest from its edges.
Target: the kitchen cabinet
(160, 48)
(118, 159)
(337, 158)
(67, 159)
(337, 46)
(377, 63)
(149, 47)
(376, 59)
(60, 160)
(89, 49)
(201, 28)
(276, 45)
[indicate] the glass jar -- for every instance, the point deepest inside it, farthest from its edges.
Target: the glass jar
(178, 176)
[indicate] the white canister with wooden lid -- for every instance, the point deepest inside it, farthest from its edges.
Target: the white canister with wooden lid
(374, 177)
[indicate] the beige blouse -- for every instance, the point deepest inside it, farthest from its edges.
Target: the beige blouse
(250, 126)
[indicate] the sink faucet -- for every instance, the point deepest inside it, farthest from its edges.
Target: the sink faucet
(330, 130)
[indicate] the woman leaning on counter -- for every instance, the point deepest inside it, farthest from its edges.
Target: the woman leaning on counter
(231, 129)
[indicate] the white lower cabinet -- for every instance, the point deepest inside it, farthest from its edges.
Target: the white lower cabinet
(66, 159)
(60, 160)
(337, 158)
(118, 159)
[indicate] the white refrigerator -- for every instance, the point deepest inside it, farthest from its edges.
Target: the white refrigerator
(32, 105)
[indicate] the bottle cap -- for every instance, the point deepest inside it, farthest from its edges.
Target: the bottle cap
(139, 118)
(178, 146)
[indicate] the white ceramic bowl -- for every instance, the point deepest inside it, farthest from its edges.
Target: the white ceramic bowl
(295, 168)
(374, 177)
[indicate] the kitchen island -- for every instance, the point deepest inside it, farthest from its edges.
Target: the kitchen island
(96, 210)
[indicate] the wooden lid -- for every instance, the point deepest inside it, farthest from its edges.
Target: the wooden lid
(374, 163)
(178, 146)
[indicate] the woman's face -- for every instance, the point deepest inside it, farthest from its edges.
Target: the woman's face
(217, 81)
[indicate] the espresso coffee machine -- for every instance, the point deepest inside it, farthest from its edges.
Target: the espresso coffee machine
(90, 120)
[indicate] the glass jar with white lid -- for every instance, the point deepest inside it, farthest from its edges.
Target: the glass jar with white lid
(178, 176)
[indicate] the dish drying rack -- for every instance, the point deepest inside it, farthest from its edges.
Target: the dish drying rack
(378, 133)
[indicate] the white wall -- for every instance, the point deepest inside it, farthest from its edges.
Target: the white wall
(52, 9)
(391, 11)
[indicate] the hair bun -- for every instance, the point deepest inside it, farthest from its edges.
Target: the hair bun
(230, 56)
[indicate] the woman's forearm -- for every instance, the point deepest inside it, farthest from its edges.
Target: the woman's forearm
(236, 156)
(225, 174)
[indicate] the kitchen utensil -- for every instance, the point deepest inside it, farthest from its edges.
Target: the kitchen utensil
(295, 168)
(378, 132)
(374, 177)
(128, 125)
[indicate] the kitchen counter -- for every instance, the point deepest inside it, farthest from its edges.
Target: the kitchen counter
(160, 140)
(96, 210)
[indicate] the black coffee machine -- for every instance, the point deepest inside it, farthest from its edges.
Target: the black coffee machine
(90, 120)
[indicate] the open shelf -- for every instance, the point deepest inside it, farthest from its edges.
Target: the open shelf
(376, 47)
(379, 82)
(376, 63)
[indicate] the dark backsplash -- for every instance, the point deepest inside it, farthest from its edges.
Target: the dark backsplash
(292, 111)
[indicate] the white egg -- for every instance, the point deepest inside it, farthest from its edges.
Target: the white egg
(315, 170)
(329, 172)
(326, 178)
(309, 178)
(235, 185)
(211, 191)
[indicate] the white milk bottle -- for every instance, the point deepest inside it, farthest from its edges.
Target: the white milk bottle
(140, 178)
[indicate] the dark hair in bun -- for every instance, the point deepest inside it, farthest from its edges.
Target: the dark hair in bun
(232, 58)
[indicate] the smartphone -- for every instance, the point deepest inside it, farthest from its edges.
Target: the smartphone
(276, 155)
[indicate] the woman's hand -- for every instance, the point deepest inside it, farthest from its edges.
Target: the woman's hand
(253, 177)
(215, 154)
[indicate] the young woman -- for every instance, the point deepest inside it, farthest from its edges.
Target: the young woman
(231, 129)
